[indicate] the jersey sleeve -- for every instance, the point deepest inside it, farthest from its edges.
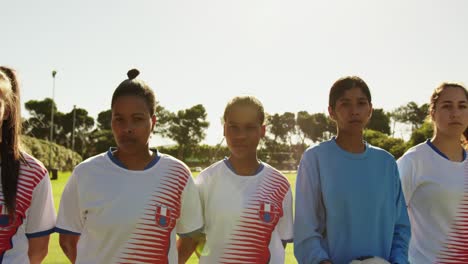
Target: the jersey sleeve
(70, 218)
(309, 223)
(41, 214)
(190, 219)
(285, 224)
(200, 185)
(405, 167)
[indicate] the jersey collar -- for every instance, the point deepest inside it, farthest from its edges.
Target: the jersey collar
(428, 142)
(120, 164)
(229, 165)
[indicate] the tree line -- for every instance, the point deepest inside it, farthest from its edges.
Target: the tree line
(186, 127)
(288, 134)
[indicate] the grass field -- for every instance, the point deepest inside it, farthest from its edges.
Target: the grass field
(56, 256)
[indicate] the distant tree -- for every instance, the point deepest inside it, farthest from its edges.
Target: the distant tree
(297, 151)
(83, 126)
(282, 127)
(104, 120)
(305, 125)
(60, 158)
(316, 127)
(163, 118)
(38, 125)
(411, 114)
(101, 137)
(326, 126)
(395, 146)
(102, 140)
(278, 154)
(421, 134)
(187, 128)
(380, 121)
(41, 109)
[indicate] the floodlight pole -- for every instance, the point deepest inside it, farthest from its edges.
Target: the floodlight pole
(51, 137)
(73, 127)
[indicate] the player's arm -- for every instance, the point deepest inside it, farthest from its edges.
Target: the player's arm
(285, 224)
(185, 248)
(70, 220)
(186, 245)
(309, 223)
(40, 221)
(37, 249)
(190, 224)
(402, 230)
(68, 243)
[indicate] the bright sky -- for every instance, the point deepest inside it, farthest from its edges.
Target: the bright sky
(286, 52)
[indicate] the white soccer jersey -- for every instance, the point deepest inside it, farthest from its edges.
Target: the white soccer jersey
(126, 216)
(246, 217)
(35, 213)
(436, 192)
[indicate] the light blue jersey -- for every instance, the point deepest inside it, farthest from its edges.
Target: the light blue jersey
(349, 205)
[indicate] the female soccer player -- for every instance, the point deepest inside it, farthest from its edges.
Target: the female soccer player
(27, 214)
(126, 205)
(247, 204)
(349, 203)
(434, 177)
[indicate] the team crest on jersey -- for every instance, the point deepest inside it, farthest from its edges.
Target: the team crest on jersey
(4, 218)
(269, 212)
(164, 216)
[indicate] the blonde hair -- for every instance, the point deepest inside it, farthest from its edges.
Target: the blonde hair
(5, 84)
(246, 100)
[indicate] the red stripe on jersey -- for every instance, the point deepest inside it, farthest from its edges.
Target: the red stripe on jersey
(456, 247)
(30, 175)
(151, 240)
(250, 240)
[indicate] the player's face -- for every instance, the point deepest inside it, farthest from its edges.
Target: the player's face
(132, 123)
(352, 111)
(243, 131)
(451, 112)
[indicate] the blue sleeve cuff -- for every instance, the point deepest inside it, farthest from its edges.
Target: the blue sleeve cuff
(65, 232)
(310, 251)
(41, 234)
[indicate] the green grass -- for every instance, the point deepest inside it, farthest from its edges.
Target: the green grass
(56, 255)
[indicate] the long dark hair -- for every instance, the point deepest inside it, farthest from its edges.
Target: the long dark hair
(11, 130)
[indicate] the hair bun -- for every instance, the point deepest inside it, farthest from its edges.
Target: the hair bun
(132, 74)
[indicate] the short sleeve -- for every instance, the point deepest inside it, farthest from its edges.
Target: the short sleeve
(405, 168)
(285, 224)
(200, 185)
(41, 214)
(70, 218)
(190, 219)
